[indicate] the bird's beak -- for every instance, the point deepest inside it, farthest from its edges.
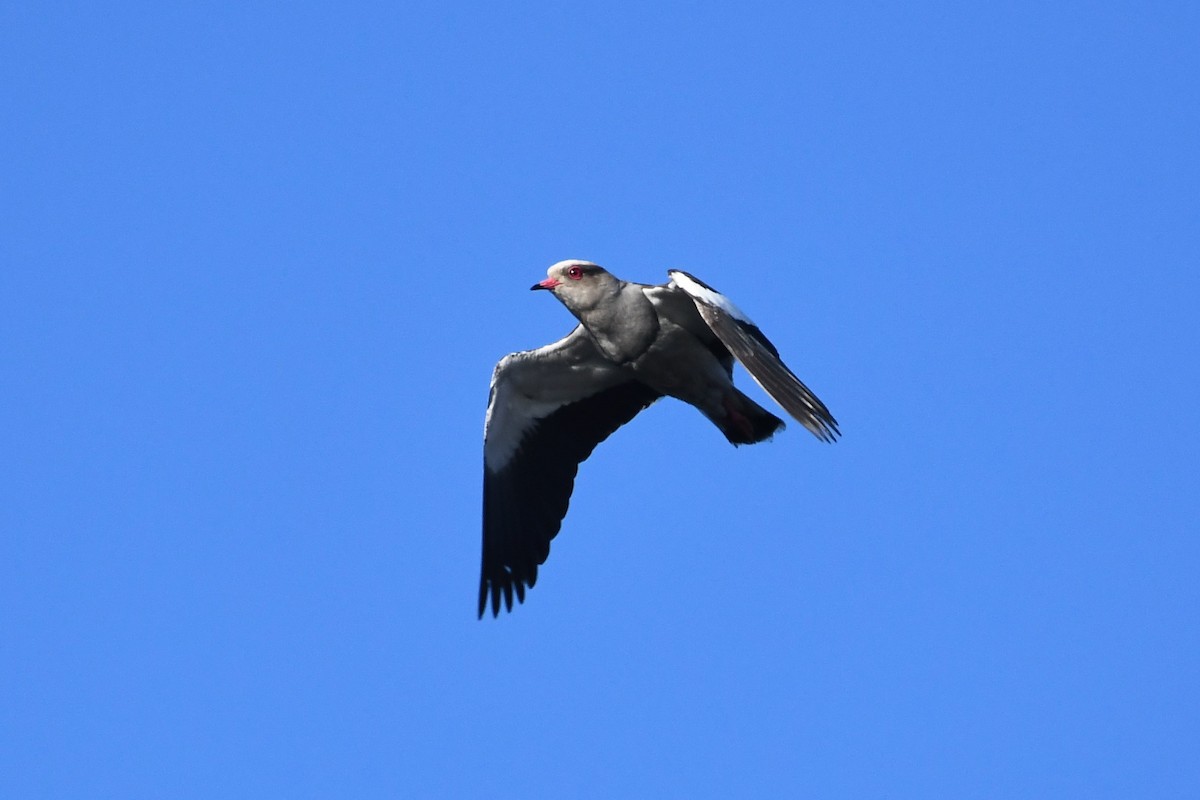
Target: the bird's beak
(549, 283)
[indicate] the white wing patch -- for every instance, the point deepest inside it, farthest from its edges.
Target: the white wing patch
(510, 416)
(533, 384)
(706, 295)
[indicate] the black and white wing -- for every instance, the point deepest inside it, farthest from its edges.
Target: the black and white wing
(547, 411)
(760, 358)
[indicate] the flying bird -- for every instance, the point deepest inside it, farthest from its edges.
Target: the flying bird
(548, 408)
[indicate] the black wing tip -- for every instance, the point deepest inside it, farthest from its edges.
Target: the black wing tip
(525, 502)
(811, 412)
(825, 428)
(501, 588)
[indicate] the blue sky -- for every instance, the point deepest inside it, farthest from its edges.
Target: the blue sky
(259, 261)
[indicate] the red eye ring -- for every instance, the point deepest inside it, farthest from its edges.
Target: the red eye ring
(575, 273)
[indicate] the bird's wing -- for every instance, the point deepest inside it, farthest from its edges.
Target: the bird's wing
(758, 356)
(547, 411)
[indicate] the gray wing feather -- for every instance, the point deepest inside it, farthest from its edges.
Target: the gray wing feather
(760, 358)
(548, 410)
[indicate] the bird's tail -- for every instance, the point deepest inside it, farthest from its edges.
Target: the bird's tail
(745, 421)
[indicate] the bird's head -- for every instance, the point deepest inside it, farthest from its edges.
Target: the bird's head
(580, 285)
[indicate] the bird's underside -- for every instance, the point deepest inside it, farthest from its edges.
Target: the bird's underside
(549, 408)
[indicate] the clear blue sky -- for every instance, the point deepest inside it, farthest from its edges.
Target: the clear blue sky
(258, 261)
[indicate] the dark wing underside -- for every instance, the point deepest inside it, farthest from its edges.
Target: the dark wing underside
(760, 358)
(524, 502)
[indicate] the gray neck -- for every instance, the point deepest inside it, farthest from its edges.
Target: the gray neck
(624, 326)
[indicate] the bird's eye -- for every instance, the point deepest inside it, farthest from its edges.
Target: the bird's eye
(575, 273)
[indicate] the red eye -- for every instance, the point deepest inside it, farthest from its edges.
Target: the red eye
(575, 273)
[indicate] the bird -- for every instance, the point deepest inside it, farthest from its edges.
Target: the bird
(635, 343)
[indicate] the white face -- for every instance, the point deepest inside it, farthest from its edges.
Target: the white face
(572, 269)
(568, 273)
(579, 285)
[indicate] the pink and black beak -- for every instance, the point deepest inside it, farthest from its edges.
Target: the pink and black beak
(549, 283)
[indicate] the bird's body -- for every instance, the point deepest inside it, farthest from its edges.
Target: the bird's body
(635, 343)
